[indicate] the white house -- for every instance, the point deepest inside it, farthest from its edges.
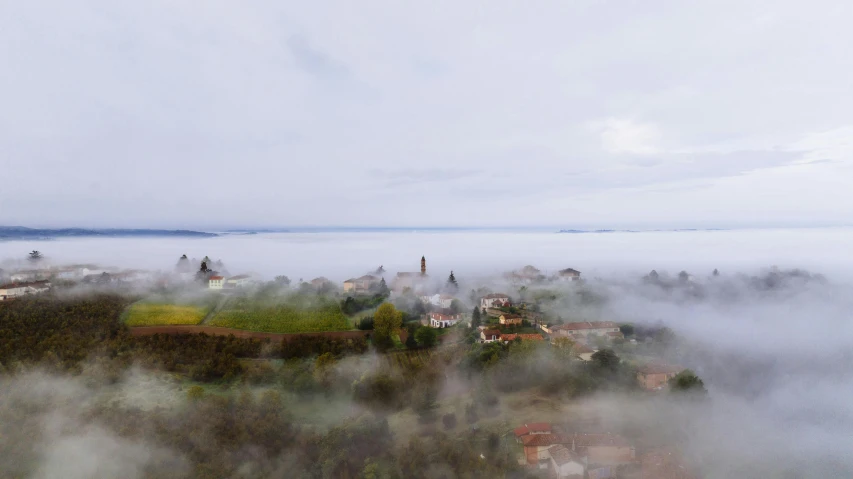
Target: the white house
(438, 320)
(494, 300)
(587, 328)
(438, 300)
(216, 282)
(15, 290)
(565, 463)
(569, 274)
(238, 281)
(490, 335)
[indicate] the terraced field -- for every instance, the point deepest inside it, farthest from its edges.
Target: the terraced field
(155, 314)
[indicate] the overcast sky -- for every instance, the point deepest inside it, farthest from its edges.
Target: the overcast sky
(444, 113)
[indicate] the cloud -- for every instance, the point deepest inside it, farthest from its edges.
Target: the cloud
(627, 136)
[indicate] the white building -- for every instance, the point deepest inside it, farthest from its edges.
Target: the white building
(569, 274)
(494, 300)
(15, 290)
(216, 282)
(438, 320)
(238, 281)
(438, 300)
(565, 463)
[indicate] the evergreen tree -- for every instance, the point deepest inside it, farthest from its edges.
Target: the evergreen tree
(452, 285)
(383, 288)
(475, 317)
(35, 256)
(183, 265)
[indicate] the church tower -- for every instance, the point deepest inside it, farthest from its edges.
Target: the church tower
(423, 265)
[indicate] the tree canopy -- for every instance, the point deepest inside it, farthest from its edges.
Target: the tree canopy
(426, 336)
(386, 321)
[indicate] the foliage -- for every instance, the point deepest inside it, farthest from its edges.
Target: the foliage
(386, 321)
(627, 330)
(194, 393)
(449, 420)
(606, 359)
(152, 314)
(282, 280)
(475, 318)
(452, 286)
(309, 345)
(687, 381)
(354, 304)
(35, 256)
(365, 323)
(426, 336)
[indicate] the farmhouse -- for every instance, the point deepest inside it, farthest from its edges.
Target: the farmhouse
(601, 449)
(15, 290)
(569, 274)
(532, 428)
(490, 335)
(565, 464)
(512, 319)
(362, 284)
(320, 282)
(655, 376)
(494, 300)
(439, 320)
(216, 282)
(238, 281)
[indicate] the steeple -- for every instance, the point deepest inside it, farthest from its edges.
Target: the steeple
(423, 264)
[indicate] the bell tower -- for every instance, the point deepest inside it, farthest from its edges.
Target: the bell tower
(423, 265)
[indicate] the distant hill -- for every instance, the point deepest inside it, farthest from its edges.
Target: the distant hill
(20, 232)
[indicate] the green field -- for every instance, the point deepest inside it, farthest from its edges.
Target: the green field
(155, 314)
(284, 318)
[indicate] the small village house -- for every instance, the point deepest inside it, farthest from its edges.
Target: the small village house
(510, 319)
(532, 428)
(583, 352)
(653, 377)
(320, 282)
(569, 274)
(565, 464)
(238, 281)
(363, 284)
(438, 300)
(490, 335)
(216, 282)
(440, 320)
(494, 300)
(600, 449)
(17, 290)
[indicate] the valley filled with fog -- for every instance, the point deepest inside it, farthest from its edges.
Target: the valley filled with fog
(770, 335)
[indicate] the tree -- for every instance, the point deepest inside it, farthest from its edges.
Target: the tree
(627, 330)
(606, 359)
(386, 321)
(563, 347)
(449, 420)
(35, 256)
(683, 276)
(282, 280)
(456, 306)
(475, 317)
(452, 285)
(426, 336)
(194, 393)
(411, 342)
(183, 265)
(383, 288)
(687, 382)
(716, 272)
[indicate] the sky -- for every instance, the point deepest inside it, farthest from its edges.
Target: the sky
(379, 113)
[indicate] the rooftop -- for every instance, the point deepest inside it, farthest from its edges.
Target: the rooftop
(587, 325)
(495, 296)
(659, 368)
(561, 455)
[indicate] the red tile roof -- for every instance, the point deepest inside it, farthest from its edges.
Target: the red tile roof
(562, 455)
(659, 368)
(521, 431)
(495, 296)
(216, 278)
(444, 317)
(491, 333)
(239, 276)
(524, 337)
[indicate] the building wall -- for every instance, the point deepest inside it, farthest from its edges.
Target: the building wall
(348, 286)
(492, 302)
(215, 284)
(655, 381)
(568, 469)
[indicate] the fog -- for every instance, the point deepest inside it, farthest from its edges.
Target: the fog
(339, 256)
(775, 354)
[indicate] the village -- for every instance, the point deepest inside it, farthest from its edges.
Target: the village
(493, 318)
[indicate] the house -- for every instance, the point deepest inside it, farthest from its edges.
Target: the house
(532, 428)
(600, 449)
(16, 290)
(238, 281)
(29, 275)
(565, 464)
(654, 377)
(320, 282)
(438, 300)
(494, 300)
(569, 274)
(664, 464)
(216, 282)
(586, 328)
(583, 352)
(510, 319)
(363, 284)
(439, 320)
(528, 274)
(524, 337)
(490, 335)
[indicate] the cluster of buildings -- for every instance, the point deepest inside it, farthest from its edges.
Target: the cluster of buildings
(575, 455)
(18, 289)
